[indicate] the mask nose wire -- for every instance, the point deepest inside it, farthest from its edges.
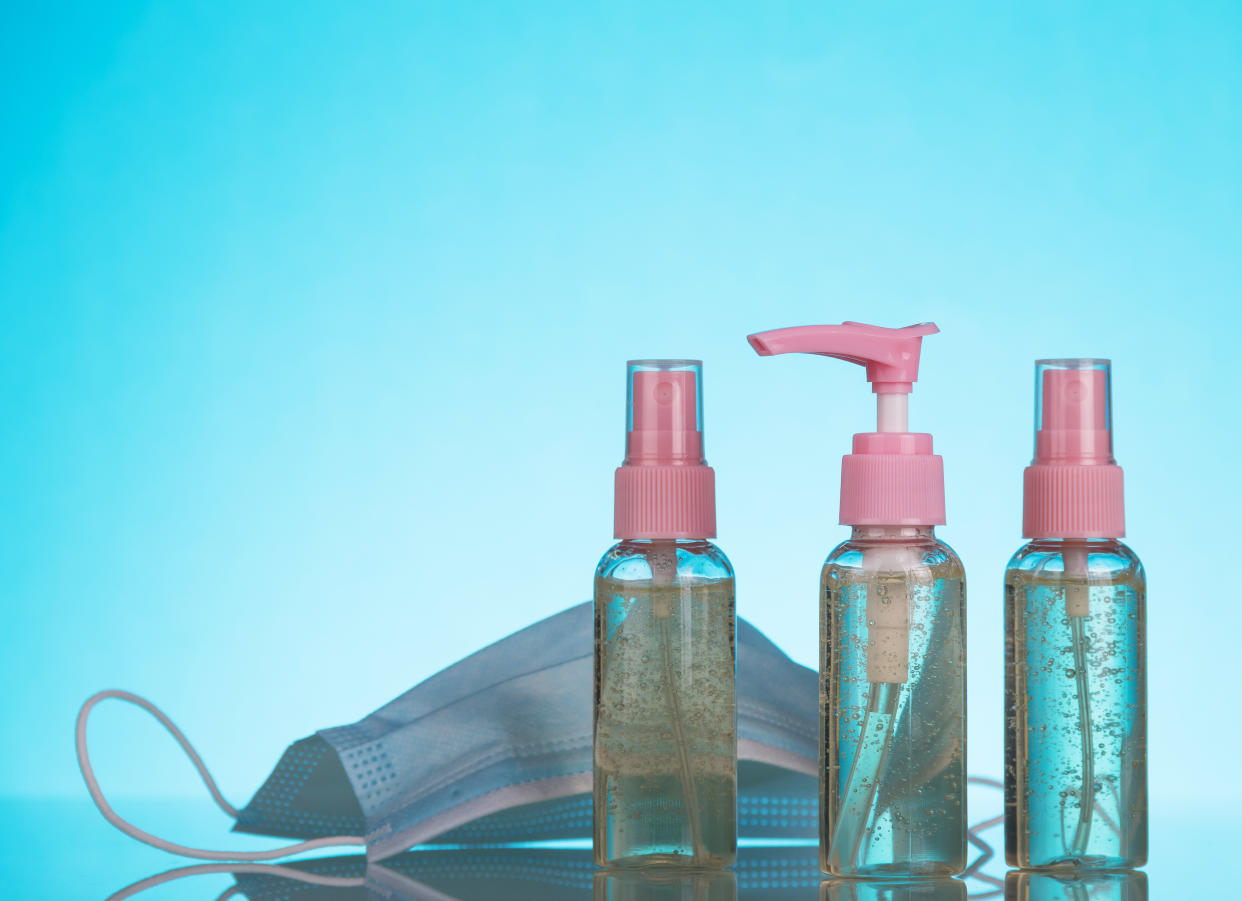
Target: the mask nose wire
(92, 786)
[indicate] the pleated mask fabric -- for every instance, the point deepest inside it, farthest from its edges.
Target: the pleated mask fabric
(497, 748)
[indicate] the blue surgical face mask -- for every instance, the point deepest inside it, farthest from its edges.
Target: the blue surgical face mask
(497, 748)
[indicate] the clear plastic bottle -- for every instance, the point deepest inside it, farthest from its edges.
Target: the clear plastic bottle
(892, 632)
(893, 696)
(665, 721)
(1075, 643)
(665, 711)
(1075, 697)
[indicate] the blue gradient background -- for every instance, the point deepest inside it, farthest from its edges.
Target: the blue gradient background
(315, 317)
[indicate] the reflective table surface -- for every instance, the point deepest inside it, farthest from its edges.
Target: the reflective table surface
(64, 849)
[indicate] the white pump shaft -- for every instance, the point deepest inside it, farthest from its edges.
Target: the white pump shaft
(888, 613)
(1077, 574)
(892, 412)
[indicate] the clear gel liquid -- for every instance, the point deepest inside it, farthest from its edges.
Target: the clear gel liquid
(894, 768)
(1075, 694)
(665, 720)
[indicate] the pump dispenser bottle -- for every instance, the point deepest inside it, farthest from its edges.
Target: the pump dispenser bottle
(1075, 642)
(892, 633)
(665, 714)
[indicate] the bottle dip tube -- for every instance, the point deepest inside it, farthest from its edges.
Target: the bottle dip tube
(892, 633)
(1075, 643)
(665, 788)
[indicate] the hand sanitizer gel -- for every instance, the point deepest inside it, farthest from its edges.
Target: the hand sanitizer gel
(665, 715)
(892, 633)
(1075, 640)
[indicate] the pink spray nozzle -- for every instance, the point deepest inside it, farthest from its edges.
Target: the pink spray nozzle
(1073, 487)
(664, 489)
(664, 413)
(1073, 423)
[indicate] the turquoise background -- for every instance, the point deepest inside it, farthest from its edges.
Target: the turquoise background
(315, 319)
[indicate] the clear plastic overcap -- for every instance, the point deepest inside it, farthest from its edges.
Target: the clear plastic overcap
(1073, 412)
(664, 413)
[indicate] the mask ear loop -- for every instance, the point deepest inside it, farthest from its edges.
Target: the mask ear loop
(92, 786)
(986, 851)
(266, 869)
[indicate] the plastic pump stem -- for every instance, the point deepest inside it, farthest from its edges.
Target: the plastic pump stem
(892, 412)
(858, 800)
(888, 668)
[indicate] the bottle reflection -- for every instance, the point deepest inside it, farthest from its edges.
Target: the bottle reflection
(652, 884)
(770, 873)
(945, 889)
(1121, 885)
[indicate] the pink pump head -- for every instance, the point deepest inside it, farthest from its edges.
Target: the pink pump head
(892, 478)
(1073, 487)
(664, 488)
(891, 355)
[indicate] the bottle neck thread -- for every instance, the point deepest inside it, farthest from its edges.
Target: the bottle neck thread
(892, 533)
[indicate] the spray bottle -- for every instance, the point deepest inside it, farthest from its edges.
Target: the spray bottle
(1075, 642)
(892, 632)
(665, 714)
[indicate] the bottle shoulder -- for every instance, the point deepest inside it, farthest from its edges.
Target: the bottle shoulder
(633, 560)
(1106, 558)
(918, 553)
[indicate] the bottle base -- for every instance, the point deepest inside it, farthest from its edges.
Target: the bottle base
(921, 869)
(1069, 865)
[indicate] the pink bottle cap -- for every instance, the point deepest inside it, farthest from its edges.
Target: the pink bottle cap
(664, 488)
(1073, 487)
(892, 478)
